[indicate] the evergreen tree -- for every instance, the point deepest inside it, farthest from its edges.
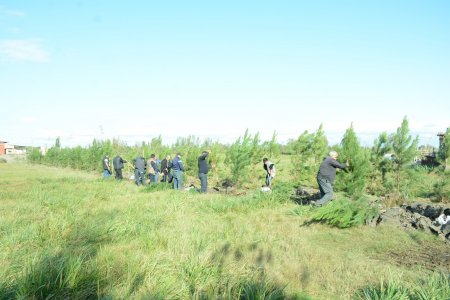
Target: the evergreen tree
(381, 164)
(242, 154)
(58, 143)
(302, 159)
(444, 151)
(319, 146)
(272, 148)
(354, 180)
(404, 150)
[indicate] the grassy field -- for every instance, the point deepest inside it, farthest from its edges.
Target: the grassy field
(68, 234)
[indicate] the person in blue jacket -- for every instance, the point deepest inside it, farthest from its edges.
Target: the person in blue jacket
(178, 169)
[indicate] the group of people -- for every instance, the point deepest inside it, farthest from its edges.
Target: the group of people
(172, 171)
(150, 170)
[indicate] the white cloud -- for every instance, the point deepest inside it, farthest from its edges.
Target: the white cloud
(11, 12)
(23, 50)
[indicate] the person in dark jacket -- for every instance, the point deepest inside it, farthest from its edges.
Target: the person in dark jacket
(118, 164)
(203, 169)
(153, 169)
(167, 176)
(139, 170)
(326, 176)
(177, 166)
(106, 166)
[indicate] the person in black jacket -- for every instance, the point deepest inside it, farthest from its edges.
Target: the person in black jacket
(139, 170)
(118, 163)
(326, 176)
(203, 169)
(167, 176)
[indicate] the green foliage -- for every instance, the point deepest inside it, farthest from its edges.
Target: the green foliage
(344, 213)
(434, 287)
(34, 155)
(404, 149)
(441, 188)
(354, 180)
(58, 143)
(319, 145)
(391, 290)
(281, 193)
(381, 164)
(304, 167)
(444, 150)
(59, 277)
(272, 148)
(308, 152)
(243, 153)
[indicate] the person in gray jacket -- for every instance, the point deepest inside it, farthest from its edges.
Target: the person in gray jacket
(326, 176)
(139, 170)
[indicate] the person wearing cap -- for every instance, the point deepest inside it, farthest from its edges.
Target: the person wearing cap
(177, 166)
(326, 176)
(106, 166)
(203, 169)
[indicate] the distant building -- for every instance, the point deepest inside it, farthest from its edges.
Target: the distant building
(2, 147)
(6, 149)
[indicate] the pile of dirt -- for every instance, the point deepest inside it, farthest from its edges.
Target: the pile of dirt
(417, 216)
(304, 195)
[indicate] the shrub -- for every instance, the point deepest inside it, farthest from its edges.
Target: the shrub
(392, 290)
(436, 286)
(345, 213)
(441, 188)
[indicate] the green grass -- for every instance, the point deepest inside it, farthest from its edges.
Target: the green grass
(72, 235)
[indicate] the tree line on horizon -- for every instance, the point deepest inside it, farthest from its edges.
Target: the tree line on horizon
(386, 167)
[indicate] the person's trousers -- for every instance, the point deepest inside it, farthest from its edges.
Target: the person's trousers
(177, 179)
(139, 177)
(203, 182)
(326, 190)
(106, 173)
(268, 180)
(154, 178)
(167, 178)
(118, 174)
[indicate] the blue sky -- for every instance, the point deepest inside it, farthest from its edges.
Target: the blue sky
(138, 69)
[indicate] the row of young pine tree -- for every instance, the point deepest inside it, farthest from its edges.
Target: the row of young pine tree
(386, 167)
